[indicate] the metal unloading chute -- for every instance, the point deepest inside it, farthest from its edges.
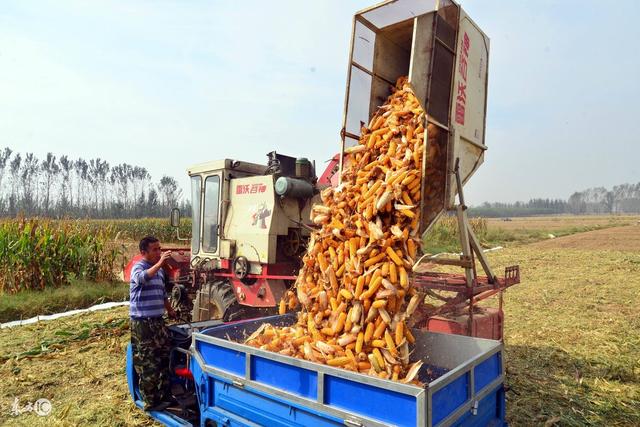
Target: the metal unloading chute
(445, 55)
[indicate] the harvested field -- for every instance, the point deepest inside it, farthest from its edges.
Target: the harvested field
(616, 238)
(559, 222)
(572, 339)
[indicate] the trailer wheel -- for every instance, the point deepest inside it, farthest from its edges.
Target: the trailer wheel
(216, 300)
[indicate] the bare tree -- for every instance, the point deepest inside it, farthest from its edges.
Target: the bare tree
(102, 173)
(92, 177)
(28, 180)
(170, 192)
(66, 197)
(120, 178)
(50, 171)
(4, 159)
(14, 169)
(81, 167)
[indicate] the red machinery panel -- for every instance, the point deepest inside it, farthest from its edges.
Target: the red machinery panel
(262, 293)
(487, 323)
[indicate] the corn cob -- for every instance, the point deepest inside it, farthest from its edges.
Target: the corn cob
(354, 287)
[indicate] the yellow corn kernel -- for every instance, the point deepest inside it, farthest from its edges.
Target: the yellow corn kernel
(354, 242)
(406, 199)
(364, 366)
(393, 273)
(328, 331)
(359, 287)
(346, 294)
(384, 271)
(416, 156)
(342, 318)
(409, 336)
(322, 262)
(333, 280)
(399, 332)
(366, 304)
(379, 357)
(373, 288)
(404, 277)
(408, 213)
(380, 303)
(374, 260)
(408, 179)
(392, 148)
(282, 308)
(348, 323)
(378, 343)
(411, 248)
(340, 270)
(339, 361)
(333, 257)
(409, 134)
(413, 184)
(368, 333)
(391, 345)
(393, 256)
(299, 341)
(379, 330)
(311, 326)
(359, 342)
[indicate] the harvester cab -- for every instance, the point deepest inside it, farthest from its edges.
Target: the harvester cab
(248, 233)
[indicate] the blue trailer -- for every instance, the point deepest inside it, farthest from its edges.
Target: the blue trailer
(239, 385)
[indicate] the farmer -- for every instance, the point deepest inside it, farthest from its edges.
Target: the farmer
(149, 337)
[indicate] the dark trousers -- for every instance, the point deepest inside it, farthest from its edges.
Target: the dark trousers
(151, 347)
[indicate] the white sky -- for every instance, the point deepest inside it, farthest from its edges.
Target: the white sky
(165, 84)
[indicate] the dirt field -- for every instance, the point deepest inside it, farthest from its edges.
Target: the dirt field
(572, 336)
(617, 238)
(562, 222)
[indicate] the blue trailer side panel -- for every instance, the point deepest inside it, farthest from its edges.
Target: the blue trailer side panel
(449, 398)
(370, 401)
(490, 412)
(251, 406)
(487, 371)
(226, 359)
(299, 381)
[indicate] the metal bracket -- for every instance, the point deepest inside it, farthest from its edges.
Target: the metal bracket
(353, 423)
(474, 408)
(238, 384)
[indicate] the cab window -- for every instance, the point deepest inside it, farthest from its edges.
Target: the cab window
(211, 209)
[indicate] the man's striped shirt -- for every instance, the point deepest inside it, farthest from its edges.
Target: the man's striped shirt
(147, 294)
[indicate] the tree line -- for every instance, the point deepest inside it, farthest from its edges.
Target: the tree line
(621, 199)
(624, 198)
(75, 187)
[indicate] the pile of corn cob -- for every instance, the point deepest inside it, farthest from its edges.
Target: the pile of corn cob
(354, 285)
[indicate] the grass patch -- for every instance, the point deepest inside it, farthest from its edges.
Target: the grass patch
(77, 294)
(572, 335)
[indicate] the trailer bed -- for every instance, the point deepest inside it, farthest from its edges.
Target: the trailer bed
(239, 385)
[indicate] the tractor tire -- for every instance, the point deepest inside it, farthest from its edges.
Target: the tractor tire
(216, 300)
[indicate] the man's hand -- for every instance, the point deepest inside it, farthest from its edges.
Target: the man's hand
(163, 257)
(158, 265)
